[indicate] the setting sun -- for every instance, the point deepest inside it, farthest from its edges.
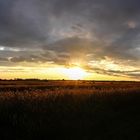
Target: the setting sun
(75, 73)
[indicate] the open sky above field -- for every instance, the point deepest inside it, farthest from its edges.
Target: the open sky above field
(70, 39)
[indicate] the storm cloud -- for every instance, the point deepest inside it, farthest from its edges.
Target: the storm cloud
(57, 31)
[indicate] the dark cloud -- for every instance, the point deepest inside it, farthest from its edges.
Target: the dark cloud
(21, 23)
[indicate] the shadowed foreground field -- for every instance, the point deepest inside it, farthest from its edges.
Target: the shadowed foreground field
(70, 110)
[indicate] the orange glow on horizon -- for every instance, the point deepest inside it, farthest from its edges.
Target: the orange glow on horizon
(54, 73)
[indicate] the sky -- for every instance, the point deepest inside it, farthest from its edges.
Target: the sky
(54, 38)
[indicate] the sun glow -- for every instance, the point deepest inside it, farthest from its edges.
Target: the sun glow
(75, 73)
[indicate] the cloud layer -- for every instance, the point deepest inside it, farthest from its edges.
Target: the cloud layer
(61, 31)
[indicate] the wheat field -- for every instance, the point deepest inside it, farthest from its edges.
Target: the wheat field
(71, 110)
